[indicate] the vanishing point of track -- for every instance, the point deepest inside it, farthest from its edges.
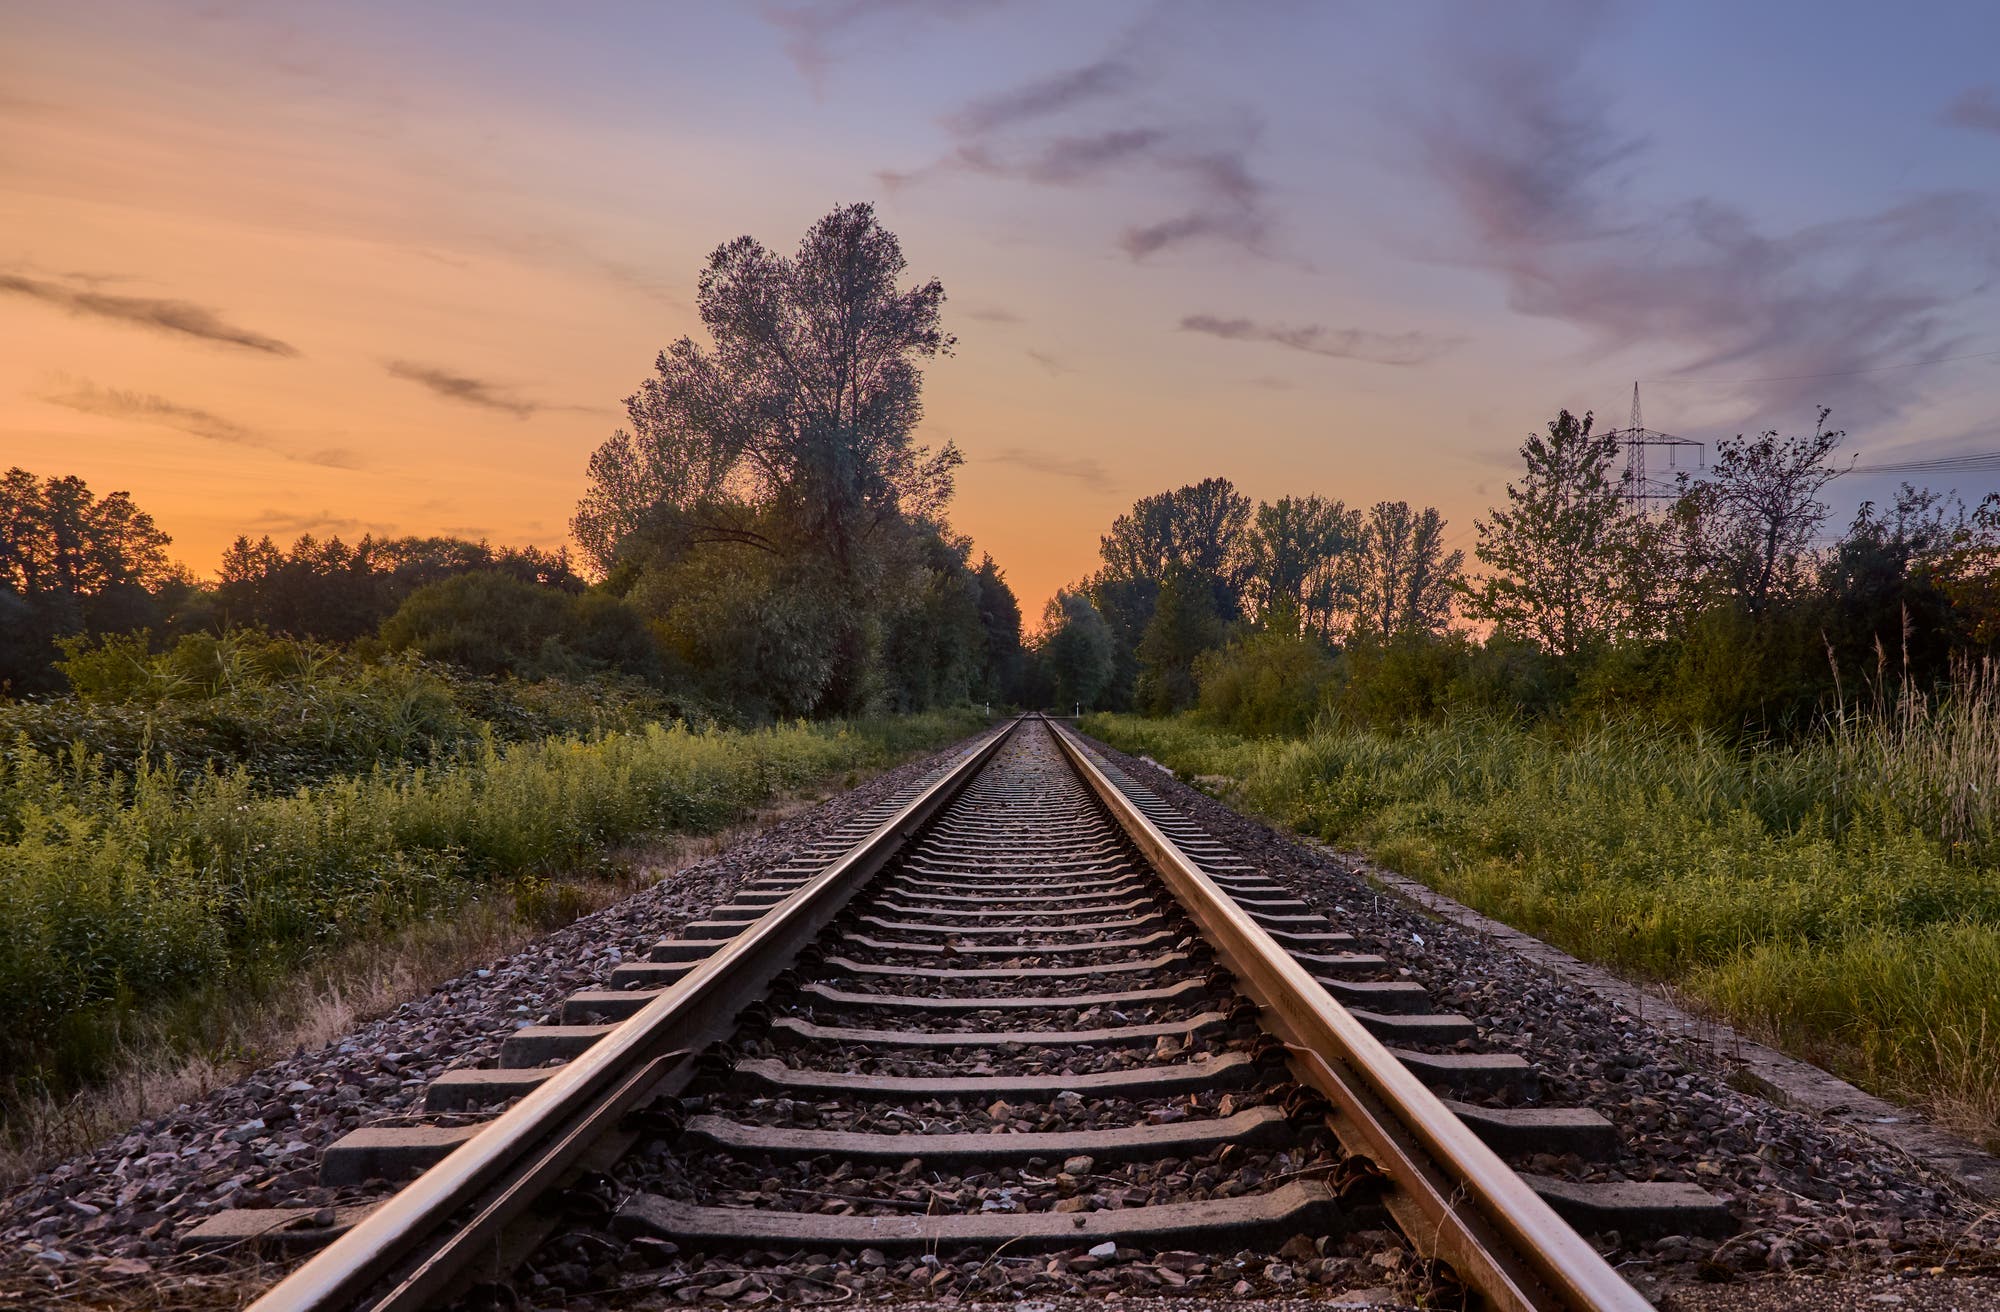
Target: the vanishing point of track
(1150, 1043)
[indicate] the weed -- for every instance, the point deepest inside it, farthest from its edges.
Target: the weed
(123, 892)
(1841, 896)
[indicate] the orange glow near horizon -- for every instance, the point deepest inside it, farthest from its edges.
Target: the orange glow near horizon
(391, 269)
(275, 204)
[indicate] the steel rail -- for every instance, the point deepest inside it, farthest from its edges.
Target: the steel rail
(495, 1173)
(1456, 1200)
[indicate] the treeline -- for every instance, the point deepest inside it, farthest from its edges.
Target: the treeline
(1201, 595)
(1723, 605)
(765, 539)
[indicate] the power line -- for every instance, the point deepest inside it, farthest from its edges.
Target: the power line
(1835, 373)
(1942, 464)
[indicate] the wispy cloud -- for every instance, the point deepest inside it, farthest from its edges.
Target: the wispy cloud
(1538, 176)
(1977, 108)
(993, 314)
(290, 523)
(460, 387)
(1030, 133)
(815, 32)
(1229, 205)
(169, 316)
(1053, 364)
(1080, 469)
(87, 397)
(1334, 343)
(1041, 97)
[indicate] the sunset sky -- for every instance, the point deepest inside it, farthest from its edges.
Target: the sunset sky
(282, 268)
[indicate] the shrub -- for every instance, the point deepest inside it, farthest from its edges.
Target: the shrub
(1274, 682)
(493, 623)
(119, 891)
(294, 712)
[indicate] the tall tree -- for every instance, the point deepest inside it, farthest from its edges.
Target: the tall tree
(1075, 650)
(1303, 553)
(330, 590)
(1000, 618)
(1554, 552)
(70, 562)
(1406, 579)
(1184, 627)
(58, 539)
(1200, 530)
(806, 403)
(1756, 512)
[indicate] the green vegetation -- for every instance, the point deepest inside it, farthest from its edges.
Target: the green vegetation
(1840, 894)
(291, 712)
(121, 892)
(767, 538)
(220, 788)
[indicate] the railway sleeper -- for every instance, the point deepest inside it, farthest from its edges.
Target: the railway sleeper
(1118, 867)
(1117, 1034)
(1014, 914)
(1256, 886)
(1322, 939)
(1113, 888)
(1635, 1208)
(1485, 1072)
(1286, 920)
(1383, 995)
(1073, 890)
(712, 929)
(1254, 905)
(1441, 1028)
(1014, 950)
(537, 1045)
(1142, 966)
(681, 949)
(1254, 1127)
(272, 1231)
(1342, 964)
(1519, 1131)
(648, 974)
(1094, 927)
(1301, 1206)
(482, 1086)
(1079, 1002)
(1231, 1070)
(389, 1152)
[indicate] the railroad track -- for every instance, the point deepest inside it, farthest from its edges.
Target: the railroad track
(1024, 1006)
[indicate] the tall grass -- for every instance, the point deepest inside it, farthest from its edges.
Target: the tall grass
(120, 891)
(291, 711)
(1842, 896)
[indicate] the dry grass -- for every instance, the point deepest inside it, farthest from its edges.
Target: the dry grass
(338, 993)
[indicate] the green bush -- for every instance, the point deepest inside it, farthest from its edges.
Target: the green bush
(120, 890)
(294, 712)
(493, 623)
(1273, 682)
